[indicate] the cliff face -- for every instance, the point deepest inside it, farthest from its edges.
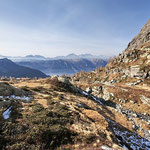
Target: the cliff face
(134, 62)
(141, 38)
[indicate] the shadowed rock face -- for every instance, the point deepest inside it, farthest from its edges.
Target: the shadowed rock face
(142, 37)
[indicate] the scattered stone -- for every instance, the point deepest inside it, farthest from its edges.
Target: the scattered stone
(137, 82)
(89, 90)
(122, 100)
(64, 80)
(145, 100)
(107, 95)
(54, 76)
(82, 105)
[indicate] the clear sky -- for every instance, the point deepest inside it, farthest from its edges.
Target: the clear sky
(59, 27)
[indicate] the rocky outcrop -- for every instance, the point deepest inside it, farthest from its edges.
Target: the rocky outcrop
(134, 62)
(142, 37)
(64, 80)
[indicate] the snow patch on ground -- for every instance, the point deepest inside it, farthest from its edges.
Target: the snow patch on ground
(129, 139)
(6, 113)
(97, 100)
(23, 98)
(85, 93)
(93, 97)
(104, 147)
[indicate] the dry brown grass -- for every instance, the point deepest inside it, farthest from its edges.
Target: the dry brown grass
(89, 123)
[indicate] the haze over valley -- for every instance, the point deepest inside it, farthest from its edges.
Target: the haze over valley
(59, 65)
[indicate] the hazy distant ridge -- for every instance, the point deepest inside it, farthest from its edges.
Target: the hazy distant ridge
(64, 66)
(11, 69)
(39, 57)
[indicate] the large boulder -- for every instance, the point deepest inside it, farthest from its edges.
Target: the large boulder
(64, 80)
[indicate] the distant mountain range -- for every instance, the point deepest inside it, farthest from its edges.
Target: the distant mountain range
(86, 56)
(39, 57)
(69, 64)
(64, 66)
(11, 69)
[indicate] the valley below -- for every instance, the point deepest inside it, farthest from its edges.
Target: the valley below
(64, 66)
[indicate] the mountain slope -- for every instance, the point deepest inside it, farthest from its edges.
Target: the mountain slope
(142, 37)
(40, 57)
(9, 68)
(125, 84)
(82, 56)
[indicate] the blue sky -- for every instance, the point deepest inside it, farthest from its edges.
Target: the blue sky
(60, 27)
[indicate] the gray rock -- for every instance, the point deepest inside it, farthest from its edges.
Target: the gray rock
(107, 95)
(54, 76)
(145, 100)
(89, 90)
(64, 80)
(122, 100)
(135, 72)
(137, 82)
(82, 105)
